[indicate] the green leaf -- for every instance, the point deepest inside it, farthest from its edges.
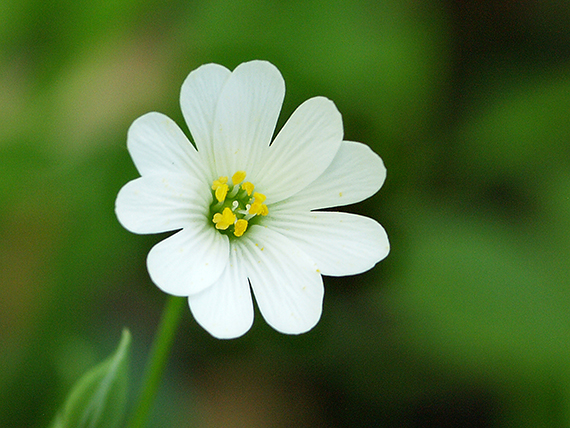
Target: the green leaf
(98, 399)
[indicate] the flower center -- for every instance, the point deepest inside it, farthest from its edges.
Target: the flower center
(235, 204)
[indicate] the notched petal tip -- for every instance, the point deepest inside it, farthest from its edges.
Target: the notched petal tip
(303, 149)
(225, 309)
(202, 86)
(356, 173)
(286, 284)
(245, 117)
(257, 66)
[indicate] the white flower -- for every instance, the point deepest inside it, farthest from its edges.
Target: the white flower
(245, 205)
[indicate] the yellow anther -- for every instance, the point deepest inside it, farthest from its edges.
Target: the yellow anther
(255, 208)
(219, 182)
(248, 187)
(238, 177)
(225, 219)
(232, 195)
(259, 197)
(240, 227)
(258, 206)
(221, 192)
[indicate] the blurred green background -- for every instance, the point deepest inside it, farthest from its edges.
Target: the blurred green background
(465, 324)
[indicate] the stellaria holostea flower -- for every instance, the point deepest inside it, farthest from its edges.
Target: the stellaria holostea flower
(245, 206)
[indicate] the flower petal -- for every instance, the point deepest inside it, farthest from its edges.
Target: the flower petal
(161, 203)
(189, 261)
(355, 174)
(225, 309)
(246, 115)
(339, 243)
(198, 99)
(157, 144)
(287, 286)
(302, 150)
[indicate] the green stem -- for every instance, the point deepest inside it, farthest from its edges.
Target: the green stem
(157, 360)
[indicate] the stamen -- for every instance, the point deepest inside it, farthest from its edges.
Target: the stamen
(219, 182)
(221, 188)
(224, 220)
(240, 227)
(234, 192)
(258, 207)
(254, 208)
(238, 177)
(248, 187)
(221, 192)
(259, 197)
(227, 210)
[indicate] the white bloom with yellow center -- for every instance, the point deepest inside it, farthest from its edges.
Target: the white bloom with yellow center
(245, 206)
